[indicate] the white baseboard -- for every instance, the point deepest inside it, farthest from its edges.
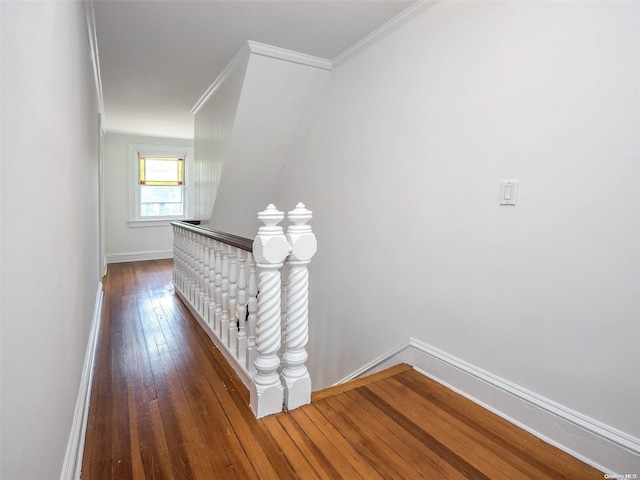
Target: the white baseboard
(139, 256)
(72, 465)
(602, 446)
(395, 356)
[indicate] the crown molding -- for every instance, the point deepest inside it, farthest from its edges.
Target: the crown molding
(95, 57)
(384, 30)
(257, 48)
(289, 55)
(242, 54)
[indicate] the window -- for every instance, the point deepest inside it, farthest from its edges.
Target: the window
(161, 186)
(160, 190)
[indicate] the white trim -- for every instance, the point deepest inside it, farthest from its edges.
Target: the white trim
(95, 57)
(602, 446)
(289, 55)
(156, 222)
(395, 356)
(139, 256)
(381, 32)
(242, 54)
(72, 466)
(102, 230)
(265, 50)
(612, 434)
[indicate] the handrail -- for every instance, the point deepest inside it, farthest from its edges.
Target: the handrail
(243, 243)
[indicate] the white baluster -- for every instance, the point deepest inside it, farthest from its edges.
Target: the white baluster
(187, 259)
(284, 275)
(224, 322)
(211, 308)
(218, 310)
(241, 309)
(183, 261)
(199, 272)
(193, 271)
(295, 377)
(174, 274)
(232, 332)
(180, 263)
(252, 308)
(176, 254)
(204, 306)
(270, 248)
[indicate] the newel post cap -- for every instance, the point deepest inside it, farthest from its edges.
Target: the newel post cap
(301, 237)
(270, 245)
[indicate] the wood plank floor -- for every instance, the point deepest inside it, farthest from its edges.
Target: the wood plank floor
(164, 405)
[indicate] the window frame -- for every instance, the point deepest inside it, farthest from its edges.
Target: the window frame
(135, 152)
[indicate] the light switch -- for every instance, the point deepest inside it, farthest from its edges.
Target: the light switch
(508, 192)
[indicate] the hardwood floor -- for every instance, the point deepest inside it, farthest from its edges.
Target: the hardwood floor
(164, 405)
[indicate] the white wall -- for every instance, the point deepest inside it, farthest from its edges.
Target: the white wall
(244, 126)
(276, 95)
(49, 270)
(402, 168)
(123, 242)
(214, 118)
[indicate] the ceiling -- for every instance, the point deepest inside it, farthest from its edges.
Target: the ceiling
(158, 57)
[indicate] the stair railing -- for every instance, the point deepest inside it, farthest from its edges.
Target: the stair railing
(233, 286)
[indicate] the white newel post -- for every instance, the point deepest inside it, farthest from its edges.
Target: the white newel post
(270, 248)
(295, 376)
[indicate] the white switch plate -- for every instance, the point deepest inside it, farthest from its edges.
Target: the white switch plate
(509, 192)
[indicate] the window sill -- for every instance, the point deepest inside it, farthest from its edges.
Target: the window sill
(155, 222)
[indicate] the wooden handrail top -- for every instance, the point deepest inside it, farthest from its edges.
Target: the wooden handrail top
(245, 244)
